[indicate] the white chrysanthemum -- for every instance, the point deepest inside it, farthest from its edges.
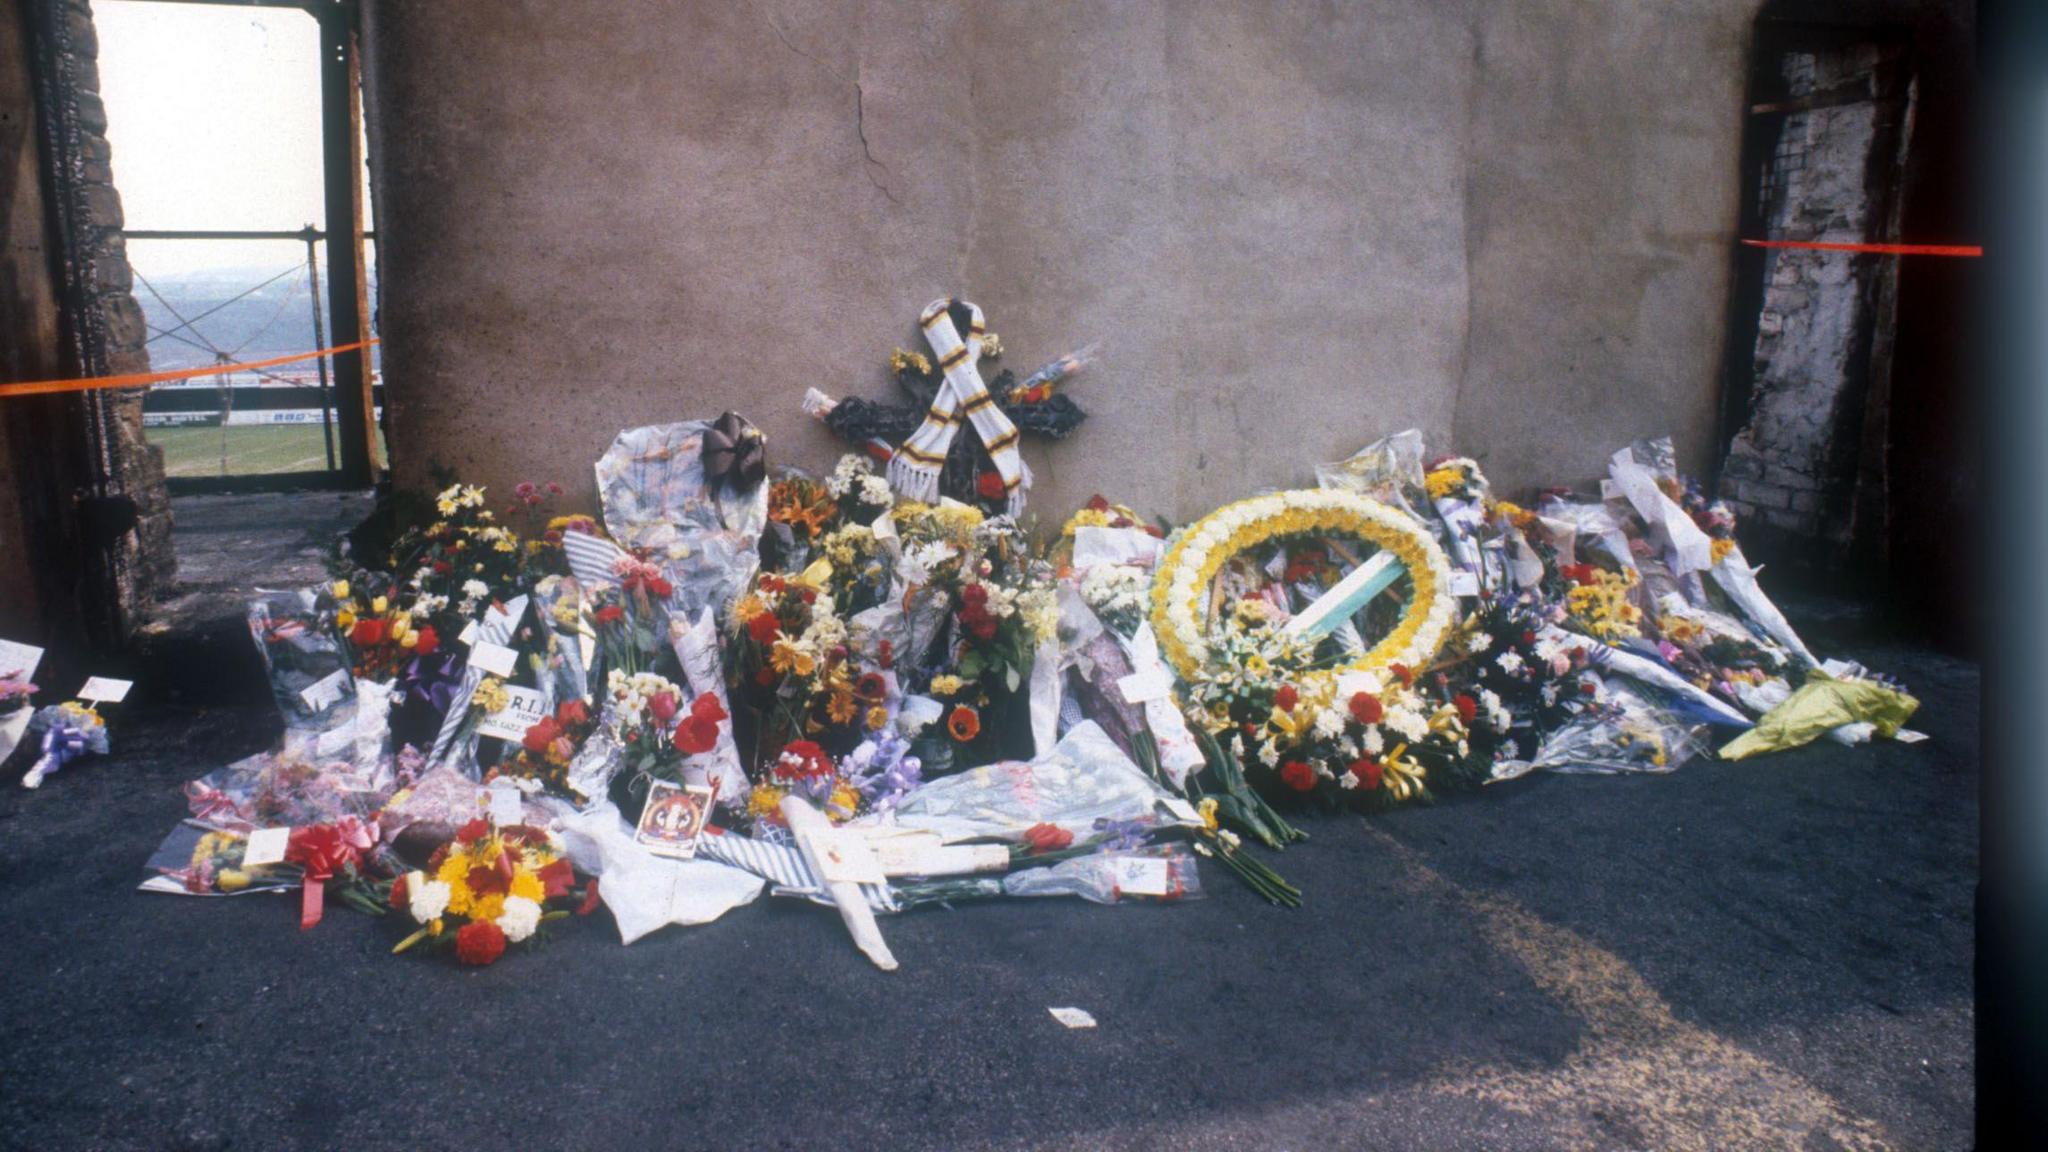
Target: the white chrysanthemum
(1510, 662)
(1375, 741)
(874, 490)
(1269, 753)
(520, 918)
(1479, 642)
(1329, 724)
(425, 899)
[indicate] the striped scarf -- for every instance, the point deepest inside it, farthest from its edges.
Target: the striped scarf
(914, 470)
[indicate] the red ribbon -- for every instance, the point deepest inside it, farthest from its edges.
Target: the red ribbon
(1876, 249)
(323, 850)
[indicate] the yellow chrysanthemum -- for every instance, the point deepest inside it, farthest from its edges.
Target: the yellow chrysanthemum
(748, 607)
(526, 884)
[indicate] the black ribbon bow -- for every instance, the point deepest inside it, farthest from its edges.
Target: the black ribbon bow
(735, 452)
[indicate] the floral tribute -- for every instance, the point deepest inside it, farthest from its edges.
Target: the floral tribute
(844, 694)
(486, 889)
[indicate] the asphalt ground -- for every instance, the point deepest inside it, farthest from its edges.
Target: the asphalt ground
(1773, 953)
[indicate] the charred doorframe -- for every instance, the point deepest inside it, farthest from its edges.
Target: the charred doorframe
(1799, 27)
(348, 313)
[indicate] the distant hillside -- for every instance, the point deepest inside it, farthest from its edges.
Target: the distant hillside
(275, 320)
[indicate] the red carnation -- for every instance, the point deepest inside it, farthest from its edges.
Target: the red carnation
(1467, 707)
(1298, 776)
(400, 894)
(1366, 708)
(1286, 698)
(990, 486)
(368, 633)
(659, 586)
(427, 641)
(1367, 773)
(473, 831)
(1047, 837)
(610, 613)
(480, 942)
(1098, 503)
(763, 628)
(974, 595)
(1403, 674)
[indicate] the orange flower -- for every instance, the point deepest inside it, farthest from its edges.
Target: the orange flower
(964, 724)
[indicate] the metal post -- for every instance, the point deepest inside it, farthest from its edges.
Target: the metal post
(320, 341)
(355, 425)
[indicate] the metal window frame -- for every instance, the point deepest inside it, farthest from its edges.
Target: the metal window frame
(348, 309)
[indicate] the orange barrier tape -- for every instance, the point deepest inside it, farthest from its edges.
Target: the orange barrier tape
(1879, 249)
(138, 379)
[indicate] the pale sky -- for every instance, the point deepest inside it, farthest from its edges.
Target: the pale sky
(213, 115)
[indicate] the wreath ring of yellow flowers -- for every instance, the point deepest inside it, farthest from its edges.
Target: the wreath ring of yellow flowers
(1192, 561)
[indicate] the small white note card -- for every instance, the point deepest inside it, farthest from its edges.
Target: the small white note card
(523, 710)
(505, 807)
(102, 690)
(1141, 875)
(496, 659)
(266, 846)
(468, 633)
(19, 659)
(324, 692)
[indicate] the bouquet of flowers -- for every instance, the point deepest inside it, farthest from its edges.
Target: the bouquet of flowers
(485, 889)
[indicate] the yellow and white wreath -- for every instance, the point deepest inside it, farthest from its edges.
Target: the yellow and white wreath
(1188, 571)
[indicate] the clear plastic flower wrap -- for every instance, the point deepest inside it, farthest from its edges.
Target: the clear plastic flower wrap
(656, 503)
(1163, 872)
(1084, 778)
(309, 671)
(277, 789)
(1625, 732)
(195, 860)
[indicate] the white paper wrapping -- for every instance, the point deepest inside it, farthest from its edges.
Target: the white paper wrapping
(646, 892)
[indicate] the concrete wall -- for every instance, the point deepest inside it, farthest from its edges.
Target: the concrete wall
(1298, 226)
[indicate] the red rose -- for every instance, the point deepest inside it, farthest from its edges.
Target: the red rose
(572, 712)
(1047, 837)
(707, 707)
(1298, 776)
(990, 486)
(1367, 773)
(480, 942)
(428, 641)
(1467, 707)
(540, 735)
(400, 894)
(1286, 698)
(763, 628)
(609, 614)
(1366, 708)
(663, 705)
(368, 633)
(696, 735)
(974, 595)
(659, 586)
(984, 628)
